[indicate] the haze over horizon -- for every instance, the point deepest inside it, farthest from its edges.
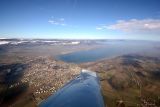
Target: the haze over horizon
(71, 53)
(80, 19)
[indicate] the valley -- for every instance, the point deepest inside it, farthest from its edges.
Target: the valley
(32, 71)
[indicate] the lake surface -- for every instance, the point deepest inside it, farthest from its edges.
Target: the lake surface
(111, 49)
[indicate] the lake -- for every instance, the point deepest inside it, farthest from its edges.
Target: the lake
(111, 49)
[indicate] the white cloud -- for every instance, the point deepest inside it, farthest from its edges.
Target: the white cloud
(135, 26)
(63, 24)
(101, 27)
(59, 21)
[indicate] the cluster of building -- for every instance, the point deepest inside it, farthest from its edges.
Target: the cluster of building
(45, 76)
(38, 77)
(148, 102)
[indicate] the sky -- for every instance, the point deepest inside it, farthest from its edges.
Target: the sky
(80, 19)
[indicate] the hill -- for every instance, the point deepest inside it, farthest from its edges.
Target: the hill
(129, 80)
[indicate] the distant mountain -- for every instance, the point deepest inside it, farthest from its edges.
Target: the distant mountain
(129, 80)
(4, 41)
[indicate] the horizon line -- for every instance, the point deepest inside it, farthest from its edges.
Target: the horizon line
(80, 39)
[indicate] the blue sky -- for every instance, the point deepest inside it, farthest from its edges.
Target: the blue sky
(80, 19)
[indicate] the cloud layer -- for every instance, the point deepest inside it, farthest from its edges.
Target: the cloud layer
(60, 21)
(134, 26)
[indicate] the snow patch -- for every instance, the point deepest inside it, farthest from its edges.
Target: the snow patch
(16, 43)
(4, 42)
(75, 43)
(50, 41)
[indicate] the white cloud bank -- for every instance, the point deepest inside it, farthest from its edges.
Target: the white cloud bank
(60, 21)
(134, 26)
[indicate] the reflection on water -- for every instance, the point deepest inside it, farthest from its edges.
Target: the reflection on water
(112, 49)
